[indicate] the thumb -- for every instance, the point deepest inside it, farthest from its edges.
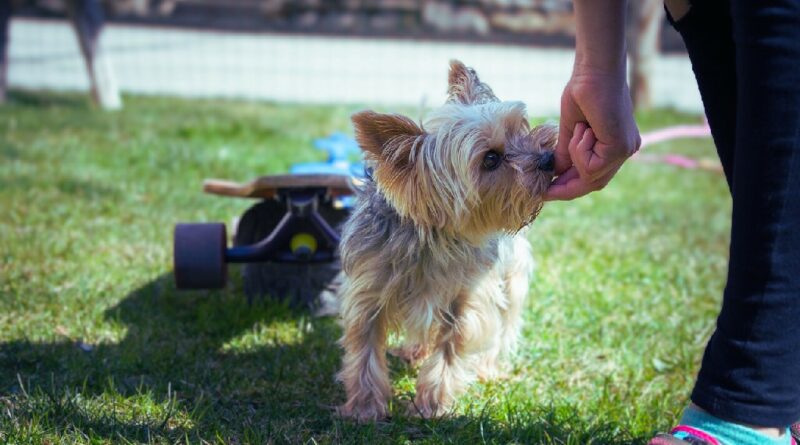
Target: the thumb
(561, 155)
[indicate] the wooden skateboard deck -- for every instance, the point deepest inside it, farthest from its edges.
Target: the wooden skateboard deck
(267, 187)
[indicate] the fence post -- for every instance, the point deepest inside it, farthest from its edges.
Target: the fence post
(87, 20)
(5, 19)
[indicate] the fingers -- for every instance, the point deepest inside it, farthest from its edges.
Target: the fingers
(566, 154)
(571, 185)
(597, 134)
(589, 171)
(581, 149)
(570, 115)
(565, 177)
(568, 191)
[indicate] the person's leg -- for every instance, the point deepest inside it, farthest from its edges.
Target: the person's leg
(746, 73)
(751, 368)
(705, 27)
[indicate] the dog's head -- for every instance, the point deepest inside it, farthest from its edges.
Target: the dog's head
(474, 168)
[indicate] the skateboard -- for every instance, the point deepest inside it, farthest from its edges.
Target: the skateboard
(288, 241)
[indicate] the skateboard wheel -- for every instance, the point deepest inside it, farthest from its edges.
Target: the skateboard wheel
(199, 256)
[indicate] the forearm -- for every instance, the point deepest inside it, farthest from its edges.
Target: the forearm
(600, 36)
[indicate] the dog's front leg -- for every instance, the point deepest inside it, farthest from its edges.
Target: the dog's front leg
(516, 268)
(450, 368)
(364, 371)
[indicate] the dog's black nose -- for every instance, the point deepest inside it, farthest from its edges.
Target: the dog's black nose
(547, 161)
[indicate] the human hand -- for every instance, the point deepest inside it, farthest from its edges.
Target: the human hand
(597, 133)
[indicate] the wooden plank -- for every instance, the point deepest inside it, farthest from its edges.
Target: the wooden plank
(266, 187)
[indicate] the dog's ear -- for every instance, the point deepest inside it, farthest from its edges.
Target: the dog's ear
(544, 136)
(389, 138)
(464, 86)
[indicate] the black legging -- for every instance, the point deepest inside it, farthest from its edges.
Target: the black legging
(746, 58)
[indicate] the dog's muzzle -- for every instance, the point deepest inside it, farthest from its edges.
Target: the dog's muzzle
(547, 161)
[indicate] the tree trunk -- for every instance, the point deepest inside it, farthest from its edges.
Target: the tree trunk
(646, 19)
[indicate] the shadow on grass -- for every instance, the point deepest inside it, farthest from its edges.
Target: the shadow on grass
(205, 365)
(48, 99)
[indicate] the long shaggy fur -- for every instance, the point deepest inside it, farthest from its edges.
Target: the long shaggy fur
(433, 248)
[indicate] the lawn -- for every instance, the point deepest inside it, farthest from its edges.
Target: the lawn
(96, 346)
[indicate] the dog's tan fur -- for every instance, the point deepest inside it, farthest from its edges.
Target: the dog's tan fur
(433, 247)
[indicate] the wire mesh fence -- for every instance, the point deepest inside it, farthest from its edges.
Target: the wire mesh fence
(368, 52)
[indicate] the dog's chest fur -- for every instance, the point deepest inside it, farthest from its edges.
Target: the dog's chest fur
(428, 271)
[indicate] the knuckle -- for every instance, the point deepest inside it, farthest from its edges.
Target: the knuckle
(566, 99)
(599, 185)
(626, 150)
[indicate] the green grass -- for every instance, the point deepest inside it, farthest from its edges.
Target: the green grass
(96, 346)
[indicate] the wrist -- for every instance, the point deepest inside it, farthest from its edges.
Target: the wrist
(596, 79)
(588, 63)
(600, 36)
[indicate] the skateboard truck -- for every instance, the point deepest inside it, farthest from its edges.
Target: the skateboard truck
(302, 235)
(300, 206)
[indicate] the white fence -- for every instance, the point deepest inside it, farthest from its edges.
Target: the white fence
(152, 60)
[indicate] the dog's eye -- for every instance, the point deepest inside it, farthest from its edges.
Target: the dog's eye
(491, 160)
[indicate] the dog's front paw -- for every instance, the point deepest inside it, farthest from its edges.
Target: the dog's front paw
(492, 372)
(424, 411)
(413, 355)
(428, 405)
(364, 411)
(493, 376)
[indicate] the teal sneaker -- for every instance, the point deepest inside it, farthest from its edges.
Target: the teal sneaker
(686, 435)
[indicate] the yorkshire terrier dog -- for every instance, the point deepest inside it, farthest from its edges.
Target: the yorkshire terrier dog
(434, 249)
